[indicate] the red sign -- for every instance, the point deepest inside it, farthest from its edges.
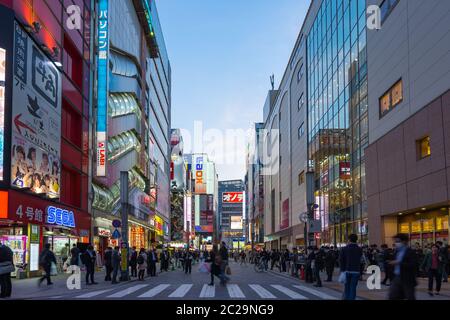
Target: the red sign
(285, 215)
(344, 170)
(172, 169)
(233, 197)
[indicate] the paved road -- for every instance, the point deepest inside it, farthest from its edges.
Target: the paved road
(245, 284)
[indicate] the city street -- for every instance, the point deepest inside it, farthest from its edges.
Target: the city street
(245, 284)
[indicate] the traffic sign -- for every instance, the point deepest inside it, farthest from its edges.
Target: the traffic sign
(303, 217)
(115, 234)
(116, 223)
(315, 226)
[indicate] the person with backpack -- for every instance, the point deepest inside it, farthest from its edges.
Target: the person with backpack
(133, 262)
(46, 258)
(141, 261)
(6, 267)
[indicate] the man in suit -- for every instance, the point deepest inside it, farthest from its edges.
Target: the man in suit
(89, 260)
(349, 261)
(108, 263)
(152, 259)
(404, 283)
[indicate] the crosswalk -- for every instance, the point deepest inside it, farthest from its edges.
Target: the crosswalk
(191, 291)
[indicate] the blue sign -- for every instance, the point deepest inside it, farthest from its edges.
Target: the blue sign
(115, 234)
(60, 217)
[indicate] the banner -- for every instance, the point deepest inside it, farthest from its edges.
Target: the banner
(36, 119)
(2, 106)
(285, 215)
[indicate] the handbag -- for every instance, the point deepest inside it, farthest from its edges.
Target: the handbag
(53, 270)
(6, 267)
(228, 270)
(342, 277)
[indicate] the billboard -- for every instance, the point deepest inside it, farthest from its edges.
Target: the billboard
(36, 119)
(2, 106)
(233, 197)
(236, 222)
(199, 175)
(102, 85)
(285, 215)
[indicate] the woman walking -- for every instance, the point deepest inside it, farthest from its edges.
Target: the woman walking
(215, 259)
(142, 264)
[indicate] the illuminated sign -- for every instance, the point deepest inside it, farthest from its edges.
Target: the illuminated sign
(60, 217)
(236, 222)
(344, 170)
(200, 186)
(159, 226)
(104, 232)
(2, 106)
(102, 86)
(233, 197)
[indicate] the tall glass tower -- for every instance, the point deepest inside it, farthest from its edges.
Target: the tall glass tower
(337, 118)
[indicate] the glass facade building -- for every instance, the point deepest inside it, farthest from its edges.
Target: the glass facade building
(337, 118)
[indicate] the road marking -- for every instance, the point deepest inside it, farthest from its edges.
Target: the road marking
(263, 293)
(292, 294)
(156, 290)
(128, 291)
(234, 291)
(56, 297)
(92, 294)
(181, 291)
(316, 293)
(208, 291)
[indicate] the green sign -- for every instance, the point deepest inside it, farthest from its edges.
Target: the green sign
(34, 233)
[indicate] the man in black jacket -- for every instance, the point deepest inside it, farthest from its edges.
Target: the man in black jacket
(330, 261)
(89, 259)
(403, 286)
(349, 261)
(6, 260)
(116, 260)
(152, 259)
(107, 258)
(46, 259)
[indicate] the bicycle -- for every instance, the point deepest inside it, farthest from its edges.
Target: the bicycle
(260, 266)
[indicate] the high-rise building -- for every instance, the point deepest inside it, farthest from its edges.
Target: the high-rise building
(409, 102)
(231, 213)
(46, 76)
(132, 126)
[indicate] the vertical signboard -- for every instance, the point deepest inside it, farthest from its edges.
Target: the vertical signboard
(2, 106)
(36, 119)
(102, 85)
(285, 215)
(199, 175)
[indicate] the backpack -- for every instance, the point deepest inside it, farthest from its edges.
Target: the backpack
(140, 259)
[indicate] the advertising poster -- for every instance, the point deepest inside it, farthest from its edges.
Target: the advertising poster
(236, 222)
(2, 106)
(285, 215)
(177, 216)
(36, 119)
(233, 197)
(199, 175)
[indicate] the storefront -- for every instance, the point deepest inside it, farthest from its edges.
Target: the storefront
(28, 222)
(425, 227)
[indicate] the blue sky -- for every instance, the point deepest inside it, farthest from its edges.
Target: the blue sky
(222, 53)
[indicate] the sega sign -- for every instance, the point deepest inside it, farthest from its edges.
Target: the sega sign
(60, 217)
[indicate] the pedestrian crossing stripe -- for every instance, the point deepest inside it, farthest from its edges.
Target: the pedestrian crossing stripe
(316, 293)
(290, 293)
(208, 291)
(181, 291)
(262, 292)
(155, 291)
(234, 291)
(128, 291)
(93, 294)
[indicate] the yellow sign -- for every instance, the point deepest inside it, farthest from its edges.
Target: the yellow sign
(416, 227)
(159, 225)
(404, 227)
(428, 225)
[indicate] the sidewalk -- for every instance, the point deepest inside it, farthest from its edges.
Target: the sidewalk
(365, 294)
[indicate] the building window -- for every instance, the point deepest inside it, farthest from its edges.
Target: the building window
(423, 148)
(387, 6)
(301, 178)
(300, 73)
(301, 101)
(392, 98)
(301, 130)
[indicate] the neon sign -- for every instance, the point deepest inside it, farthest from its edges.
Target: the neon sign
(60, 217)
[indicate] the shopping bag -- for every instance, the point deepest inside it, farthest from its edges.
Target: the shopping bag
(228, 270)
(342, 278)
(204, 268)
(53, 270)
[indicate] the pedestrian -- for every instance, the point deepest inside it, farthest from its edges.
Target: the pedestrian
(89, 259)
(152, 260)
(215, 259)
(188, 257)
(349, 261)
(309, 265)
(65, 255)
(387, 255)
(433, 265)
(444, 257)
(116, 259)
(133, 262)
(107, 260)
(404, 283)
(330, 262)
(74, 256)
(224, 263)
(243, 256)
(141, 262)
(46, 259)
(6, 267)
(319, 264)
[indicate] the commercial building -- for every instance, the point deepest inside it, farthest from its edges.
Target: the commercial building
(254, 187)
(46, 77)
(408, 159)
(132, 123)
(231, 213)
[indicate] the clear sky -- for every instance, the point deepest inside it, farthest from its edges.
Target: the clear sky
(222, 53)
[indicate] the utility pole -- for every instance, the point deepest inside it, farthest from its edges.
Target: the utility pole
(124, 246)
